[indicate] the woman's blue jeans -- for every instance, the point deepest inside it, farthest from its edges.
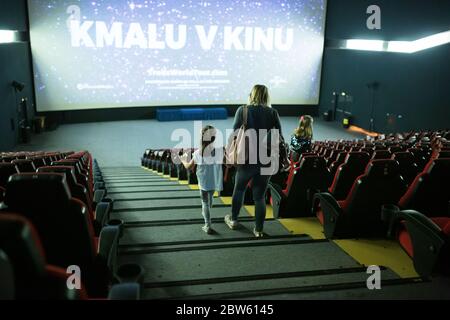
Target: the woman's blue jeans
(244, 175)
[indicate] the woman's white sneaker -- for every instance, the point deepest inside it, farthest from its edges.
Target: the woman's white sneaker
(230, 223)
(258, 234)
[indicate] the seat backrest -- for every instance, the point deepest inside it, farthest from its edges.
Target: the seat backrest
(71, 162)
(327, 152)
(381, 154)
(354, 165)
(79, 173)
(63, 223)
(381, 184)
(421, 157)
(32, 277)
(7, 289)
(6, 170)
(369, 150)
(444, 154)
(429, 192)
(24, 165)
(311, 176)
(335, 164)
(408, 167)
(394, 149)
(379, 147)
(20, 241)
(334, 155)
(8, 158)
(38, 161)
(77, 190)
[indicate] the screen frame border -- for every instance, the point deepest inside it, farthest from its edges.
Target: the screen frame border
(33, 85)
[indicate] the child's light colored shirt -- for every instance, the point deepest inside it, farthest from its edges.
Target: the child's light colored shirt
(209, 170)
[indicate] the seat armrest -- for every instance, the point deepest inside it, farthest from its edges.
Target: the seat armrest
(276, 190)
(422, 224)
(102, 212)
(277, 196)
(427, 241)
(108, 245)
(98, 178)
(99, 194)
(99, 186)
(327, 203)
(331, 211)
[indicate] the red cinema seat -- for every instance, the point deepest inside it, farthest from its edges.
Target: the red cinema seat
(381, 154)
(408, 168)
(24, 165)
(346, 173)
(310, 177)
(100, 215)
(426, 241)
(32, 277)
(360, 213)
(429, 192)
(25, 273)
(336, 163)
(64, 225)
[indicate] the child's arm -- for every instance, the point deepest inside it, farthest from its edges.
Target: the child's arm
(188, 165)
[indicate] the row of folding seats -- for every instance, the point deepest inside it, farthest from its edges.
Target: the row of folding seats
(382, 184)
(163, 161)
(294, 195)
(59, 200)
(423, 230)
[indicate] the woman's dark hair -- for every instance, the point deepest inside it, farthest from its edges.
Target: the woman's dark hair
(208, 137)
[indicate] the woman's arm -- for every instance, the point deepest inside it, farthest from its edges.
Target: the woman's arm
(277, 123)
(238, 119)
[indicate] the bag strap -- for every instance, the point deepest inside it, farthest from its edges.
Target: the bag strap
(244, 116)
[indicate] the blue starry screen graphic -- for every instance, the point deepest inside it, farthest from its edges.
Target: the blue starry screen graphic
(106, 53)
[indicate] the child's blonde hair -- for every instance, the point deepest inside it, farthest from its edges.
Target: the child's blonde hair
(305, 127)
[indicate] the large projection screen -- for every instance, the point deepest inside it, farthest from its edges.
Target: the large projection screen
(116, 53)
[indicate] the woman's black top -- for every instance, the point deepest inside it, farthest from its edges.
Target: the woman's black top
(258, 118)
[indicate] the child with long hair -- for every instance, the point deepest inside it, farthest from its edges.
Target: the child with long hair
(209, 172)
(302, 136)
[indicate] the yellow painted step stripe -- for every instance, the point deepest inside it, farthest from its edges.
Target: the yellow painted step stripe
(308, 225)
(226, 200)
(379, 252)
(251, 211)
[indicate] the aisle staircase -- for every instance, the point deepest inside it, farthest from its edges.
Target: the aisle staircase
(293, 261)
